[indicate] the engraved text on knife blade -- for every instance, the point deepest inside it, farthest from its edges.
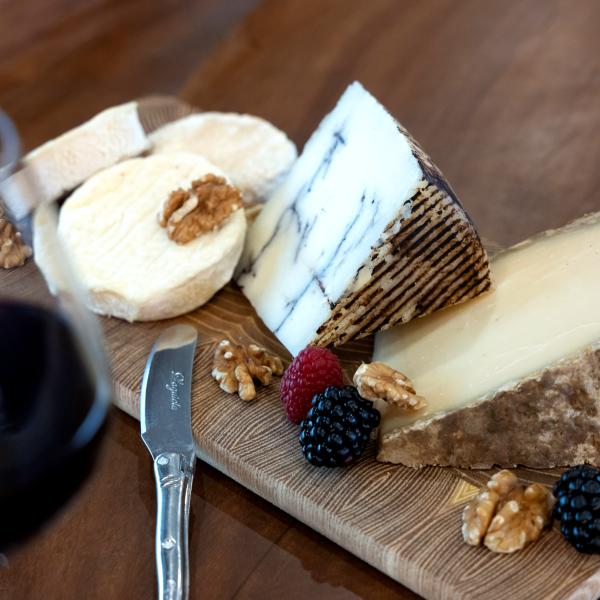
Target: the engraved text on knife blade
(176, 380)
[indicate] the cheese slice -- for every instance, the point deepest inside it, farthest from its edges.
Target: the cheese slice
(253, 152)
(60, 165)
(127, 263)
(364, 233)
(514, 376)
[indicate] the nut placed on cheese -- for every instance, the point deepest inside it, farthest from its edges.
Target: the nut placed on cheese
(13, 250)
(506, 515)
(478, 514)
(236, 366)
(202, 208)
(127, 264)
(378, 381)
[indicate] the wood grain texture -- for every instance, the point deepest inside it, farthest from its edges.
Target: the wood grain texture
(62, 61)
(404, 522)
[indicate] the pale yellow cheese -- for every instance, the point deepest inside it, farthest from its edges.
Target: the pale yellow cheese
(545, 306)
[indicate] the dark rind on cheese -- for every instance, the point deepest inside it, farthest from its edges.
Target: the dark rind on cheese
(431, 171)
(549, 419)
(429, 260)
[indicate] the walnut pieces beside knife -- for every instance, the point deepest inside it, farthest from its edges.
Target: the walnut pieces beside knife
(236, 366)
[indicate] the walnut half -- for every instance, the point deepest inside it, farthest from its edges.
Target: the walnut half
(378, 381)
(506, 515)
(203, 207)
(13, 250)
(235, 367)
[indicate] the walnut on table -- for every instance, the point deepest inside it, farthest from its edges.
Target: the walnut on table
(203, 207)
(505, 515)
(378, 381)
(13, 250)
(236, 367)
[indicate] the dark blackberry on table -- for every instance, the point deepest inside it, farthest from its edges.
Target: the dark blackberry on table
(577, 507)
(338, 427)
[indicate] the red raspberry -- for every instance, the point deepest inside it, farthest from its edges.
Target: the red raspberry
(313, 370)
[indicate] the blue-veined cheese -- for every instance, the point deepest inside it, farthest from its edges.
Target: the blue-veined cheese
(364, 233)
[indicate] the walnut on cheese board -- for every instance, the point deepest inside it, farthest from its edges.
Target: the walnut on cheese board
(513, 377)
(505, 515)
(13, 250)
(236, 366)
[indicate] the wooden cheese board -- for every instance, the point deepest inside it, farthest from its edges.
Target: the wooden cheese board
(404, 522)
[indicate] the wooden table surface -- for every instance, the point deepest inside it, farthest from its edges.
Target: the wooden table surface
(504, 94)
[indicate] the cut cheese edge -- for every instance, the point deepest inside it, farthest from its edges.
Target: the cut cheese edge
(60, 165)
(253, 152)
(125, 260)
(514, 376)
(364, 233)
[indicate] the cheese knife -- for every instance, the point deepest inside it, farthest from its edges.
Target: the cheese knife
(165, 416)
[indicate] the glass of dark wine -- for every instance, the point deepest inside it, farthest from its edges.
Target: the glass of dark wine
(55, 385)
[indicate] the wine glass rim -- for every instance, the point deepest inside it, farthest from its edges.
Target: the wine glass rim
(9, 142)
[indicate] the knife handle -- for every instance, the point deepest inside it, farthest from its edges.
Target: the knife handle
(173, 473)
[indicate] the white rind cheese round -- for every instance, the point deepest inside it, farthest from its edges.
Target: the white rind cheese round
(60, 165)
(128, 265)
(254, 154)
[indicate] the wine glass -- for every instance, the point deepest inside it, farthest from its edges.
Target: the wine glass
(55, 385)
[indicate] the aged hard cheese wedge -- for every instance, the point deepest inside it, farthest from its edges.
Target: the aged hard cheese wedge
(254, 154)
(125, 259)
(364, 233)
(514, 376)
(62, 164)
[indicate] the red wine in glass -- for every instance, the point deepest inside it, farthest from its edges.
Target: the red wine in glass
(49, 430)
(54, 391)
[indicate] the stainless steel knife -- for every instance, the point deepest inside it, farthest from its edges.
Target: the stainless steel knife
(165, 415)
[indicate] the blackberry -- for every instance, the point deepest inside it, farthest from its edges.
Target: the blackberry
(577, 507)
(338, 427)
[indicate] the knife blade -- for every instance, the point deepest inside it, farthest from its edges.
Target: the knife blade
(165, 417)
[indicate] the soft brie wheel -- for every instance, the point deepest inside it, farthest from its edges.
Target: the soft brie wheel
(127, 263)
(253, 152)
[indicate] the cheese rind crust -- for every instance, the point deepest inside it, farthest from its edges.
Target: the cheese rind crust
(549, 419)
(427, 261)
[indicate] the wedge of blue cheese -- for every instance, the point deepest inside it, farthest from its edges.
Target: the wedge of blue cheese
(364, 233)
